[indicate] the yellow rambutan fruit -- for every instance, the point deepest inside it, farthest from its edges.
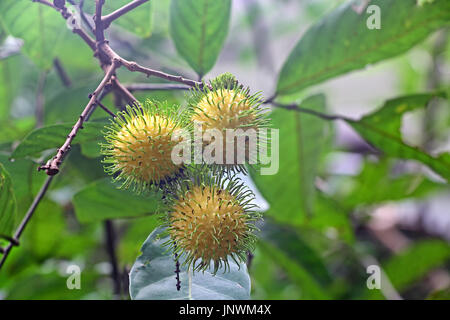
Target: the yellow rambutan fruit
(225, 105)
(225, 109)
(211, 220)
(140, 145)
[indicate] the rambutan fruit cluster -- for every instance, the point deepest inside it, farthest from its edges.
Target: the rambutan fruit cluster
(209, 214)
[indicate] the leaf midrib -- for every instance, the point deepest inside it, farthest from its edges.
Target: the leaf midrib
(202, 37)
(399, 141)
(358, 56)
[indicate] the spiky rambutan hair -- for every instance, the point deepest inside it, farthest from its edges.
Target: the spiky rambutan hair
(211, 220)
(139, 145)
(225, 104)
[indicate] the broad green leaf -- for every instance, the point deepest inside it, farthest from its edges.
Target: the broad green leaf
(53, 136)
(299, 275)
(137, 231)
(330, 217)
(137, 21)
(80, 167)
(26, 181)
(80, 66)
(65, 104)
(46, 231)
(382, 129)
(375, 184)
(103, 200)
(40, 26)
(440, 295)
(342, 42)
(269, 280)
(199, 29)
(152, 277)
(30, 284)
(24, 73)
(7, 204)
(13, 130)
(289, 241)
(413, 264)
(291, 191)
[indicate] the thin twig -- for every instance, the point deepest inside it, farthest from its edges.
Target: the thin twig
(106, 54)
(83, 16)
(155, 86)
(26, 219)
(135, 67)
(105, 109)
(110, 239)
(45, 2)
(52, 166)
(62, 73)
(99, 29)
(124, 92)
(296, 107)
(120, 12)
(87, 38)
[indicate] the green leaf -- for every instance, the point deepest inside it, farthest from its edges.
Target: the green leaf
(413, 264)
(375, 184)
(26, 181)
(330, 217)
(269, 281)
(46, 231)
(382, 129)
(152, 277)
(342, 42)
(102, 200)
(289, 241)
(24, 74)
(53, 136)
(40, 27)
(29, 284)
(65, 104)
(137, 21)
(310, 288)
(137, 231)
(440, 295)
(7, 204)
(17, 129)
(199, 29)
(301, 141)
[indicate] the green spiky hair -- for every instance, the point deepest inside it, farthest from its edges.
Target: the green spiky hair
(139, 145)
(211, 220)
(225, 104)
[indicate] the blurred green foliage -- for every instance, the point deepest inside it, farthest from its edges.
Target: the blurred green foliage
(318, 226)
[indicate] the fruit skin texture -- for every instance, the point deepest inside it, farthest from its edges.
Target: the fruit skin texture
(211, 222)
(225, 104)
(224, 109)
(139, 146)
